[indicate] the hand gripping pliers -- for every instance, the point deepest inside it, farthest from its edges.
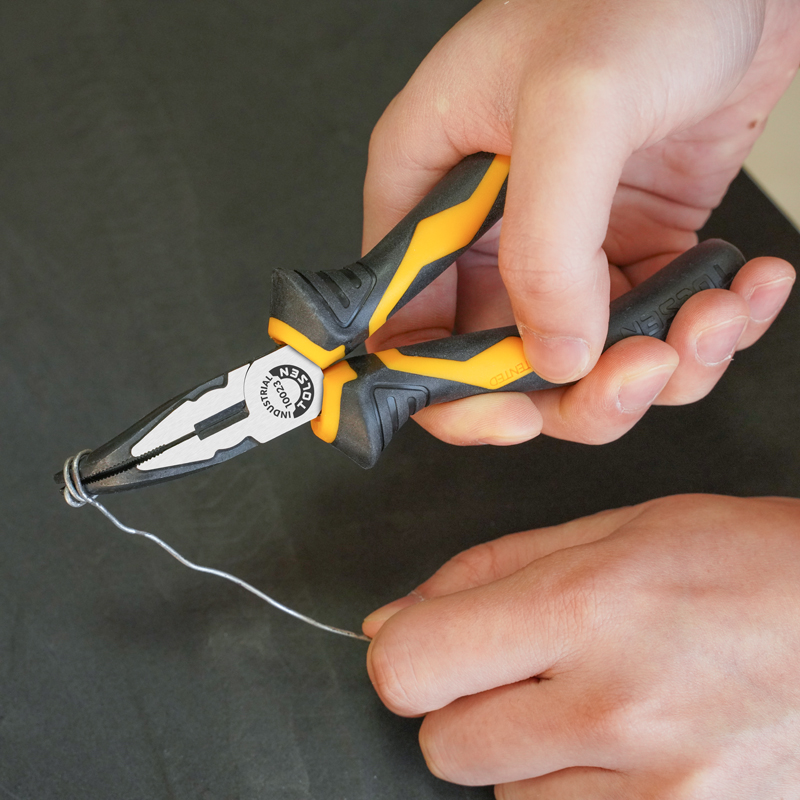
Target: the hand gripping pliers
(358, 405)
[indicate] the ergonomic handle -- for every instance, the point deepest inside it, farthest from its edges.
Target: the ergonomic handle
(325, 314)
(367, 399)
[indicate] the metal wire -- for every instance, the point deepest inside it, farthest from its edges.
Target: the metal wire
(76, 496)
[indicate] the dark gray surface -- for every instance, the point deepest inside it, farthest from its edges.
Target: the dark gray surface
(156, 161)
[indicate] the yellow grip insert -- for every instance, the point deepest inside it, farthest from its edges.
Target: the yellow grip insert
(492, 369)
(326, 425)
(286, 334)
(441, 234)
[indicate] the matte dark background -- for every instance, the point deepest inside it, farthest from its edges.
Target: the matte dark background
(157, 160)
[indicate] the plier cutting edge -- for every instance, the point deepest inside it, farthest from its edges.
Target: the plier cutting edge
(358, 405)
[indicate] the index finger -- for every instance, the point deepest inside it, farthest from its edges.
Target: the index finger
(468, 642)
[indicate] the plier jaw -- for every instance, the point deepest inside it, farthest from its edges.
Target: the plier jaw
(213, 422)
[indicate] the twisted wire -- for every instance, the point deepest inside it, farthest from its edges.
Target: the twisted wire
(76, 496)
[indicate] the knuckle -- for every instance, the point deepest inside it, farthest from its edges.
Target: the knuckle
(579, 604)
(574, 596)
(592, 421)
(601, 420)
(474, 567)
(625, 717)
(393, 674)
(600, 599)
(607, 722)
(585, 81)
(594, 588)
(540, 267)
(594, 82)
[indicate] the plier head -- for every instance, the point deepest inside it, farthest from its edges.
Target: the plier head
(209, 424)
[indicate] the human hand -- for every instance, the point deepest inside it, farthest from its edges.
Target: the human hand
(625, 122)
(649, 651)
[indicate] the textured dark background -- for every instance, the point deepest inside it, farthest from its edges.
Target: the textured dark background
(156, 161)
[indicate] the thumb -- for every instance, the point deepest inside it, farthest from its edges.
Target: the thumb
(570, 146)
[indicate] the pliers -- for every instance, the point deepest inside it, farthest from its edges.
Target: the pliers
(358, 405)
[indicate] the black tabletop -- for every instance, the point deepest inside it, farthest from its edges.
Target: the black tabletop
(157, 160)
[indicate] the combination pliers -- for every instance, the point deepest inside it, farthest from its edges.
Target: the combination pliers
(358, 405)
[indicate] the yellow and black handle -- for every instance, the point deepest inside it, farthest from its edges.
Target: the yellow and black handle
(326, 314)
(368, 398)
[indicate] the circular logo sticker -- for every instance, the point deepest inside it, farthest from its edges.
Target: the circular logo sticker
(287, 391)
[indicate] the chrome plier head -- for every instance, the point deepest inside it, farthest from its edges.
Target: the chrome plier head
(212, 423)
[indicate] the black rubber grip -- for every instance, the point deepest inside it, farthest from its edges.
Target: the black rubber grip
(342, 307)
(390, 387)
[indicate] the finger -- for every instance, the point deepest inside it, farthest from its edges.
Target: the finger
(498, 419)
(765, 283)
(524, 730)
(613, 397)
(567, 416)
(603, 406)
(502, 557)
(499, 558)
(705, 334)
(566, 160)
(713, 325)
(472, 641)
(576, 783)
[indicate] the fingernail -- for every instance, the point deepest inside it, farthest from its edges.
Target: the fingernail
(641, 390)
(559, 359)
(718, 343)
(767, 299)
(390, 609)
